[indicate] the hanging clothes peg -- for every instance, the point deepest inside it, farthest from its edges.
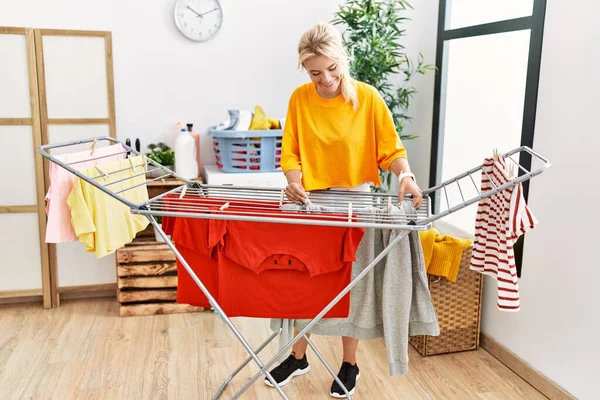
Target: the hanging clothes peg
(93, 147)
(349, 212)
(281, 198)
(224, 206)
(102, 173)
(389, 205)
(183, 192)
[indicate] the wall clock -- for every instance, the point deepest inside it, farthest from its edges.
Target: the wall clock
(198, 20)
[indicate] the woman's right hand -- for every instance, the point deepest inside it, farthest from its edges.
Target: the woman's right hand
(295, 192)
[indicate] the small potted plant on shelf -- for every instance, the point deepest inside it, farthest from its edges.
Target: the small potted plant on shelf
(162, 154)
(157, 235)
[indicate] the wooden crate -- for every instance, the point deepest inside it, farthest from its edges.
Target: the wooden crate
(147, 279)
(458, 307)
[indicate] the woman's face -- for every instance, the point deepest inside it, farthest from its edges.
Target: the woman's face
(325, 73)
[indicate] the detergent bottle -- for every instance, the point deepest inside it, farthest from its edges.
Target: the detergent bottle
(186, 163)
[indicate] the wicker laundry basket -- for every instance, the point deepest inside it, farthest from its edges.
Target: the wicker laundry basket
(458, 307)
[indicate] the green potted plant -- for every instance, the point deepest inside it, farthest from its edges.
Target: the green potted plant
(372, 34)
(157, 236)
(162, 154)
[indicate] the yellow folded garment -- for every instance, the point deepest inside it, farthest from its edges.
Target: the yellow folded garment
(275, 123)
(261, 122)
(442, 253)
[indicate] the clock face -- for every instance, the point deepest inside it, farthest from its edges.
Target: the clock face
(198, 20)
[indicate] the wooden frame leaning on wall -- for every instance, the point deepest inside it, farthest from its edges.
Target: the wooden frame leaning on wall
(40, 122)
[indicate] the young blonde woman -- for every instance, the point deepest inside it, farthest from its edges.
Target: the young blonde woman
(338, 131)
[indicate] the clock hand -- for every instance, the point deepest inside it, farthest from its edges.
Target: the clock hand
(194, 11)
(214, 9)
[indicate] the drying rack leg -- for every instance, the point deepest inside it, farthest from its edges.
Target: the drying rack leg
(216, 307)
(238, 369)
(319, 316)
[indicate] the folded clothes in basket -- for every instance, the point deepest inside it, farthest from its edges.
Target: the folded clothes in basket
(244, 120)
(260, 269)
(238, 120)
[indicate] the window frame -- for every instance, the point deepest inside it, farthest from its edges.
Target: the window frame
(534, 23)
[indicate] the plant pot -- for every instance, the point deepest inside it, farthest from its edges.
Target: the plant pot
(159, 171)
(158, 237)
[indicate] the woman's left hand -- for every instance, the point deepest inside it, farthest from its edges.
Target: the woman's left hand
(408, 185)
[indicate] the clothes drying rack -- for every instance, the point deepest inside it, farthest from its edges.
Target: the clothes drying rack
(268, 200)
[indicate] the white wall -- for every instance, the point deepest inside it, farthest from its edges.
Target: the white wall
(556, 330)
(161, 77)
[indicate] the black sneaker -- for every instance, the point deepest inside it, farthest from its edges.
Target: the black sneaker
(349, 375)
(288, 369)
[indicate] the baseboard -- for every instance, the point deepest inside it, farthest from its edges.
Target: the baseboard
(539, 381)
(20, 293)
(66, 293)
(88, 291)
(20, 296)
(22, 299)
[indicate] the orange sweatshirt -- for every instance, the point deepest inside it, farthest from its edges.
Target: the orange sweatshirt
(332, 144)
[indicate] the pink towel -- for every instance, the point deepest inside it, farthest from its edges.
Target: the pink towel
(58, 226)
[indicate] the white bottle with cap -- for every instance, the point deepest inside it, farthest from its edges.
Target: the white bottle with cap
(186, 163)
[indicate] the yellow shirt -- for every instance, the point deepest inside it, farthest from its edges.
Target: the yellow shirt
(334, 145)
(102, 223)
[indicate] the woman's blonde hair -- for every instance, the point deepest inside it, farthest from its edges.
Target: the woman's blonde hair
(323, 39)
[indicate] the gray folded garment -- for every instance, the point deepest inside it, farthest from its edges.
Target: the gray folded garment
(238, 120)
(392, 301)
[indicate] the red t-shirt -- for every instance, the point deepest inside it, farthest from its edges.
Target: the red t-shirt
(265, 270)
(281, 293)
(322, 249)
(197, 240)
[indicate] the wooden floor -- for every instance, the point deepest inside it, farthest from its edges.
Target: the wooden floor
(83, 350)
